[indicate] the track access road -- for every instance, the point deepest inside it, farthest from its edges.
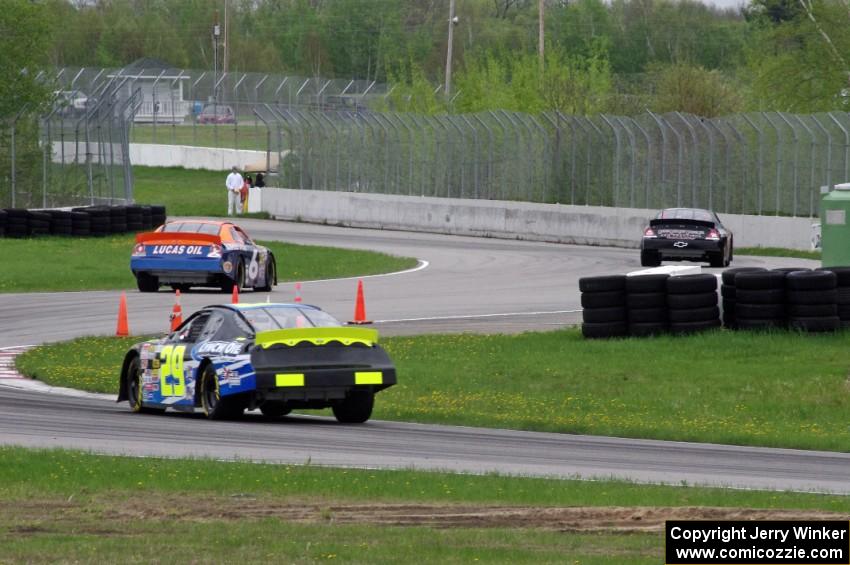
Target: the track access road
(469, 284)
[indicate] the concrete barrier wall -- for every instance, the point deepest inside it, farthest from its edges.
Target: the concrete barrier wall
(156, 155)
(586, 225)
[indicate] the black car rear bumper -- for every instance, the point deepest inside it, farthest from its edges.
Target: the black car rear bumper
(683, 249)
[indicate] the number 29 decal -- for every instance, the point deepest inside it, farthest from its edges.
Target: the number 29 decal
(172, 379)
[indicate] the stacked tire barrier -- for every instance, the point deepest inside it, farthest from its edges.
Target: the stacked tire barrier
(813, 301)
(80, 222)
(603, 300)
(728, 292)
(842, 275)
(759, 299)
(646, 304)
(692, 303)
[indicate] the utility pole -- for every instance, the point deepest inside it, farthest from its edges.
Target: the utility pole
(540, 32)
(452, 23)
(226, 37)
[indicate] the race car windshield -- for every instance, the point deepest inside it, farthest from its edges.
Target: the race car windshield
(685, 214)
(191, 227)
(264, 319)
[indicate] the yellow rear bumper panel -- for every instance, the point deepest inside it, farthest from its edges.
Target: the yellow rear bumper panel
(317, 336)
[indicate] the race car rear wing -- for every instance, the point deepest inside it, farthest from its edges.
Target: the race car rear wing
(177, 237)
(316, 336)
(681, 222)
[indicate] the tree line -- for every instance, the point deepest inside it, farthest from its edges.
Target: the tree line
(622, 56)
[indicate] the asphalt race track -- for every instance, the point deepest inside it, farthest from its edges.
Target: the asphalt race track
(468, 284)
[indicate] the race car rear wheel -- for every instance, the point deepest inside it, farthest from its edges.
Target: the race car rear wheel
(147, 283)
(228, 283)
(650, 258)
(273, 409)
(271, 275)
(215, 406)
(134, 389)
(356, 408)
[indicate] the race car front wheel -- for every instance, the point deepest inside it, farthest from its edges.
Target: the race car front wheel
(134, 389)
(356, 408)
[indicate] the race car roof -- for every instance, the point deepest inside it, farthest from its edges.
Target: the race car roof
(257, 305)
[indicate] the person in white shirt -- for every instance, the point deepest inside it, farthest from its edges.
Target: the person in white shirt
(234, 185)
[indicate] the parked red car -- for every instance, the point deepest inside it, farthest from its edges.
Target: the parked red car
(217, 114)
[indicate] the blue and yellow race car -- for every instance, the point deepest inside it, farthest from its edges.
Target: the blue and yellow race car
(187, 253)
(275, 357)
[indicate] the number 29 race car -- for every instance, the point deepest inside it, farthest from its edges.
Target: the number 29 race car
(186, 253)
(275, 357)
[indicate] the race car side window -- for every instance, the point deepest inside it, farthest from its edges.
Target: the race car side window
(213, 324)
(243, 235)
(191, 331)
(236, 235)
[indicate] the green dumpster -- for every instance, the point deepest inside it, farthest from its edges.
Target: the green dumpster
(835, 227)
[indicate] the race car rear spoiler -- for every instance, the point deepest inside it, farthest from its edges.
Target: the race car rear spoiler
(316, 336)
(177, 237)
(681, 221)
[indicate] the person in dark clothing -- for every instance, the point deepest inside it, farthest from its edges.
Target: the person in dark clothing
(261, 181)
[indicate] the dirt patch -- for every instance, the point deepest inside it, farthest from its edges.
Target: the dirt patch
(573, 519)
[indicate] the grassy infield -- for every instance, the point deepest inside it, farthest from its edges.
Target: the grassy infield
(91, 507)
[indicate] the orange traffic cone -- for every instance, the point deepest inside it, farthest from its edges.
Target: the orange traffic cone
(360, 306)
(123, 329)
(176, 312)
(298, 293)
(234, 298)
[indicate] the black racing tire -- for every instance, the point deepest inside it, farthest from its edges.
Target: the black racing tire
(815, 325)
(693, 327)
(611, 329)
(759, 280)
(764, 296)
(650, 258)
(646, 283)
(274, 409)
(812, 296)
(677, 316)
(728, 291)
(695, 300)
(608, 299)
(728, 275)
(842, 273)
(133, 382)
(788, 270)
(646, 329)
(759, 311)
(214, 405)
(147, 283)
(844, 311)
(647, 316)
(646, 300)
(759, 325)
(356, 408)
(844, 295)
(692, 284)
(811, 280)
(228, 283)
(603, 315)
(717, 260)
(812, 310)
(271, 276)
(729, 305)
(602, 284)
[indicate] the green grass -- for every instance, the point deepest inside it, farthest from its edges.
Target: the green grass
(777, 252)
(66, 264)
(780, 389)
(184, 192)
(72, 507)
(203, 135)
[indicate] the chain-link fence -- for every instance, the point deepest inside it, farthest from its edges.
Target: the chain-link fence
(216, 109)
(76, 154)
(762, 163)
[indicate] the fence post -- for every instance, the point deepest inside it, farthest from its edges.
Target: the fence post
(694, 159)
(796, 142)
(811, 163)
(779, 148)
(632, 159)
(155, 101)
(490, 142)
(663, 156)
(649, 162)
(828, 150)
(846, 147)
(616, 163)
(760, 151)
(476, 150)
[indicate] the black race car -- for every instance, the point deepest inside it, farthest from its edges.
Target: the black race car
(275, 357)
(686, 234)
